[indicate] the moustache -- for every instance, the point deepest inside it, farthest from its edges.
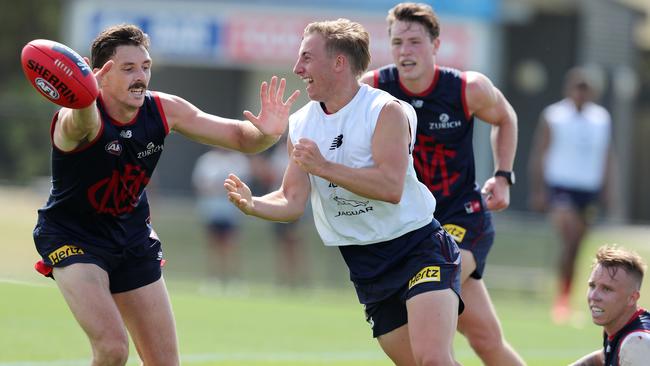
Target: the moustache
(138, 85)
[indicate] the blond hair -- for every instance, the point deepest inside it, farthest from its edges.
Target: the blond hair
(347, 37)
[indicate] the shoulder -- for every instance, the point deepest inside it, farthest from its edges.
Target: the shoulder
(477, 83)
(635, 348)
(302, 113)
(599, 112)
(370, 78)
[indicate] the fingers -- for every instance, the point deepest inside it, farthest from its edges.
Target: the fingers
(251, 117)
(279, 95)
(292, 98)
(264, 89)
(273, 89)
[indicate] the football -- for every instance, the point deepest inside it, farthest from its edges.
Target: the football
(59, 73)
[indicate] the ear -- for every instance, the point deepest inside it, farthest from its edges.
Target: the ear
(634, 297)
(340, 62)
(436, 46)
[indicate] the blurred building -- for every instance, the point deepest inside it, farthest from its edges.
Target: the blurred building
(215, 54)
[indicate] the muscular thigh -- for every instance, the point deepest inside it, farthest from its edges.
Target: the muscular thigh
(148, 315)
(85, 288)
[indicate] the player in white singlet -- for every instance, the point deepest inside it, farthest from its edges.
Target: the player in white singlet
(350, 149)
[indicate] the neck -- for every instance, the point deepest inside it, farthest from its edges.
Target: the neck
(342, 96)
(617, 325)
(420, 84)
(118, 111)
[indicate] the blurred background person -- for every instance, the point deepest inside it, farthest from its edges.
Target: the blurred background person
(570, 170)
(221, 220)
(614, 289)
(267, 170)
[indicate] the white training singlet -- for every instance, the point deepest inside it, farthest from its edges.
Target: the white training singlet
(577, 155)
(344, 137)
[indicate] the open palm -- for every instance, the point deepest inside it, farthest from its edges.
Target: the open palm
(274, 113)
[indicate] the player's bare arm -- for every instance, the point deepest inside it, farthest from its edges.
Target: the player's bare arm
(75, 126)
(285, 204)
(383, 181)
(487, 103)
(255, 134)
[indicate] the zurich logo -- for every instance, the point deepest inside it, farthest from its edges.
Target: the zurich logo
(444, 118)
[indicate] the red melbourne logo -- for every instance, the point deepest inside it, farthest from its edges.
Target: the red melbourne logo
(433, 171)
(119, 193)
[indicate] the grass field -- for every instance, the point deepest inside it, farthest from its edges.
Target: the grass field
(262, 324)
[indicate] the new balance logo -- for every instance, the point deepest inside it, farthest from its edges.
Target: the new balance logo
(338, 141)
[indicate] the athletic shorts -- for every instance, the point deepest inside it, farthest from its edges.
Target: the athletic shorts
(474, 233)
(127, 268)
(580, 200)
(222, 226)
(426, 259)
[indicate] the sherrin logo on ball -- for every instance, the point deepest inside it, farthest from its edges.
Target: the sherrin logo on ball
(58, 73)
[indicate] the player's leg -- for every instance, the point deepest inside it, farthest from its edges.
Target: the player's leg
(397, 346)
(148, 315)
(432, 321)
(85, 288)
(480, 325)
(571, 228)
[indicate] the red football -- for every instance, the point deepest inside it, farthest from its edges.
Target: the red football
(59, 73)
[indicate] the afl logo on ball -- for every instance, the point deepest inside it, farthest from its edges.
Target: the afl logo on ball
(48, 89)
(114, 147)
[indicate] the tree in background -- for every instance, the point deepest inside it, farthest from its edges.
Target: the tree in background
(24, 115)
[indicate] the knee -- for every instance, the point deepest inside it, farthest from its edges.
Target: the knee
(486, 341)
(111, 352)
(435, 359)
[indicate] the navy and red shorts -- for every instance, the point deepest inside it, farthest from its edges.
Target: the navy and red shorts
(387, 274)
(128, 267)
(475, 233)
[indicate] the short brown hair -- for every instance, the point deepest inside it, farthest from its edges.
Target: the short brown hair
(104, 46)
(347, 37)
(416, 13)
(613, 257)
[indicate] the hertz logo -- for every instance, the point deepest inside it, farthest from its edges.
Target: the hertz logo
(64, 252)
(426, 274)
(456, 232)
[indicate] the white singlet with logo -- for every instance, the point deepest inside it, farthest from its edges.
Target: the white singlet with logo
(344, 137)
(577, 155)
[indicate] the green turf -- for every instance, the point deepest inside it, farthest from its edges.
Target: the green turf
(260, 324)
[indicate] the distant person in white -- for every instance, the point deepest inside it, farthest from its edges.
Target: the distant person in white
(569, 167)
(350, 148)
(614, 289)
(221, 220)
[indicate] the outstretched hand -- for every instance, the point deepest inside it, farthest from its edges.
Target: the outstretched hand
(99, 73)
(239, 193)
(274, 113)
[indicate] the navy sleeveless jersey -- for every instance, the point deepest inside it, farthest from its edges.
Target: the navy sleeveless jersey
(98, 189)
(611, 345)
(444, 154)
